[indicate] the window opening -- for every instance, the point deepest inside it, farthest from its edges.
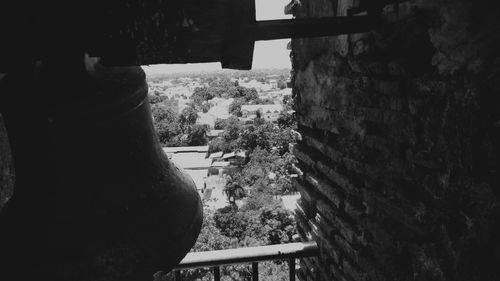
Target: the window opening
(243, 126)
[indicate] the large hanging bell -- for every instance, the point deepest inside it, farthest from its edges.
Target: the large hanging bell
(109, 205)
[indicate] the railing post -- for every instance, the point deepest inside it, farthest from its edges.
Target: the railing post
(177, 275)
(291, 266)
(255, 271)
(216, 273)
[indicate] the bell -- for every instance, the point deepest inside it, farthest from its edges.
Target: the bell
(98, 199)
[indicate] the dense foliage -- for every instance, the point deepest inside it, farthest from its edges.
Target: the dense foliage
(178, 130)
(255, 215)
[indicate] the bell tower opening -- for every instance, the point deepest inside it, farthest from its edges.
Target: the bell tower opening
(233, 131)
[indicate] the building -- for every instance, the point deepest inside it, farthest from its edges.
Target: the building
(219, 167)
(212, 134)
(216, 156)
(235, 157)
(269, 112)
(193, 159)
(184, 149)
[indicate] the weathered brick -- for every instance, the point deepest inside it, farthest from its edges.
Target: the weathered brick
(308, 197)
(302, 155)
(303, 221)
(331, 153)
(353, 271)
(337, 178)
(334, 220)
(297, 171)
(7, 175)
(326, 190)
(399, 130)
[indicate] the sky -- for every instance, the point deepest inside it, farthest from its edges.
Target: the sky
(267, 54)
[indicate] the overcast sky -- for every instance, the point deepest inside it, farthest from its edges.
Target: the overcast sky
(267, 54)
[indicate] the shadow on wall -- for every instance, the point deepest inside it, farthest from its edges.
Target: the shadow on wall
(7, 176)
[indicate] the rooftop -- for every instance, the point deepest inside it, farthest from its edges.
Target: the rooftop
(185, 149)
(214, 133)
(263, 107)
(191, 160)
(198, 177)
(220, 164)
(215, 155)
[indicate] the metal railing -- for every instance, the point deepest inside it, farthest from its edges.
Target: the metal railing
(215, 259)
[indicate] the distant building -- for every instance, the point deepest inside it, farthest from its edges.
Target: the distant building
(216, 156)
(212, 134)
(223, 167)
(183, 149)
(193, 159)
(220, 164)
(273, 83)
(235, 158)
(269, 112)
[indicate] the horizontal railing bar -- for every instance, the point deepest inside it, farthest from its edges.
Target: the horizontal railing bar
(250, 254)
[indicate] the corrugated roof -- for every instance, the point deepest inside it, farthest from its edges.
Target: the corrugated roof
(215, 155)
(263, 107)
(186, 149)
(220, 164)
(228, 155)
(191, 160)
(214, 133)
(198, 176)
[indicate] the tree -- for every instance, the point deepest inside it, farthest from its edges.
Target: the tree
(197, 135)
(249, 94)
(267, 172)
(287, 119)
(281, 84)
(288, 102)
(258, 134)
(218, 144)
(154, 99)
(232, 130)
(162, 113)
(210, 237)
(230, 222)
(281, 139)
(202, 95)
(248, 138)
(219, 124)
(278, 223)
(257, 201)
(235, 106)
(234, 192)
(166, 125)
(167, 132)
(188, 117)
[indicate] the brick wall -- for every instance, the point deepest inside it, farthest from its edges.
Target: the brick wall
(399, 157)
(6, 166)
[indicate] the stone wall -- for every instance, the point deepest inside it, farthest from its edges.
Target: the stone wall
(6, 167)
(399, 156)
